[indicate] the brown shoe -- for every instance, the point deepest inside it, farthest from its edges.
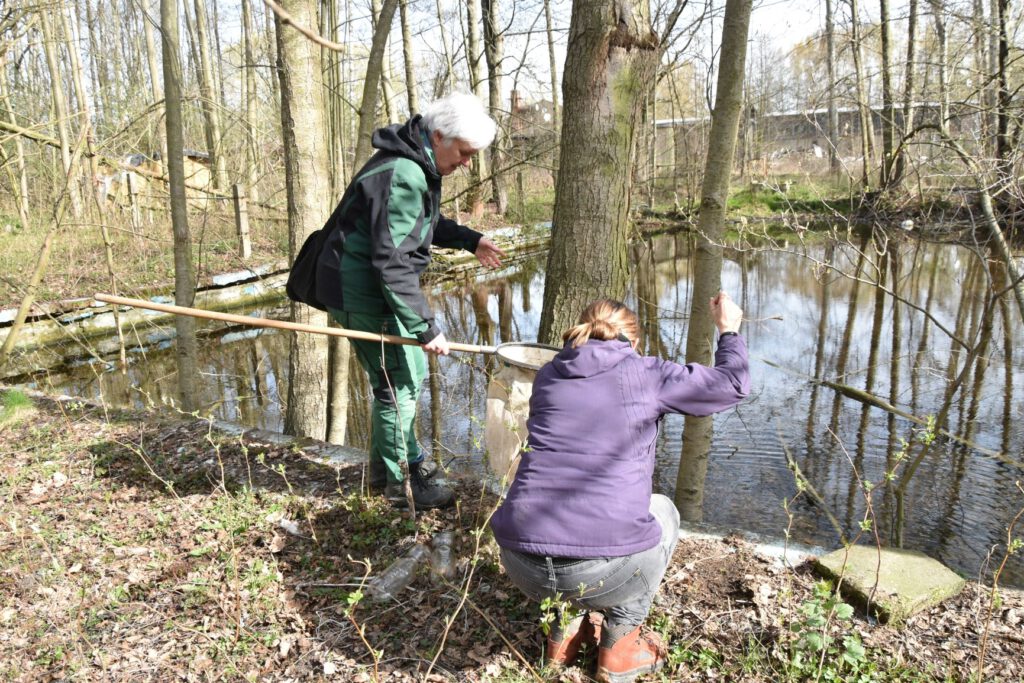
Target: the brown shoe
(584, 630)
(638, 652)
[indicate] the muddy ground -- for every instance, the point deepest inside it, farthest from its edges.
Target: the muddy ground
(149, 547)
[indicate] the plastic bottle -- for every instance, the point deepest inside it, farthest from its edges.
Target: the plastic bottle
(389, 583)
(442, 559)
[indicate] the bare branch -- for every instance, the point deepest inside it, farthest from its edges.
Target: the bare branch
(312, 35)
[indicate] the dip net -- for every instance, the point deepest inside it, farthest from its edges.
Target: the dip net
(508, 405)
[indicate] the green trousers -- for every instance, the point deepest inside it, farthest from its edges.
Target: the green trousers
(396, 375)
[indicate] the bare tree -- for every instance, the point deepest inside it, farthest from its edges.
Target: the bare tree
(910, 74)
(833, 113)
(306, 180)
(888, 99)
(184, 280)
(867, 135)
(60, 110)
(494, 51)
(210, 103)
(374, 68)
(556, 114)
(611, 62)
(19, 182)
(474, 55)
(408, 58)
(697, 431)
(154, 82)
(251, 146)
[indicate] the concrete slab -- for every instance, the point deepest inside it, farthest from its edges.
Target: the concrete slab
(890, 583)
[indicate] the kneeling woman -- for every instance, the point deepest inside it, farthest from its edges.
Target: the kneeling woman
(580, 519)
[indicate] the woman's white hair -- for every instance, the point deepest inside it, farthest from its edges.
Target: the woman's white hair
(460, 116)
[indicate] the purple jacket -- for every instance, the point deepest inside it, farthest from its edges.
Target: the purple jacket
(583, 488)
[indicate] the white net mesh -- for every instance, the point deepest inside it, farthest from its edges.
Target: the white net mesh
(508, 405)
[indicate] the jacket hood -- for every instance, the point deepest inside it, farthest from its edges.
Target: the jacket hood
(594, 357)
(408, 140)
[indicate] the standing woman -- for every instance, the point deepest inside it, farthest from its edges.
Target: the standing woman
(580, 519)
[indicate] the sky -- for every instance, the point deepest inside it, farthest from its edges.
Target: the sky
(787, 22)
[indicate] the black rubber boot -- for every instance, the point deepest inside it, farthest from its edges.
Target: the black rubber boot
(379, 472)
(425, 494)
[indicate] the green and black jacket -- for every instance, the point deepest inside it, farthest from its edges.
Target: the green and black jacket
(382, 230)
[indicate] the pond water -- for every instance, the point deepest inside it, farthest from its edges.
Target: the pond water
(803, 320)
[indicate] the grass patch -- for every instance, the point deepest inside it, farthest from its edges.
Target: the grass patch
(780, 195)
(142, 255)
(14, 405)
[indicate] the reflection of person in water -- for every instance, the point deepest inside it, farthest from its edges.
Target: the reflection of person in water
(580, 520)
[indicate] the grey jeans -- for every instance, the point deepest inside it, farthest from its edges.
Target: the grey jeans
(622, 588)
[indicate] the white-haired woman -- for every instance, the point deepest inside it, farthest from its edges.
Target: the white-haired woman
(368, 273)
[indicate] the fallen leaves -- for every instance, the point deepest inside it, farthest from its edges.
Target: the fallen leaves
(242, 572)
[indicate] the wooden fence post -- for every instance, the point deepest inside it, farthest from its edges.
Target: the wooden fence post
(242, 221)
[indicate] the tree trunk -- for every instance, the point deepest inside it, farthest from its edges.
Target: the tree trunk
(979, 32)
(19, 183)
(69, 29)
(449, 74)
(1003, 98)
(209, 100)
(184, 280)
(938, 15)
(408, 58)
(900, 169)
(611, 60)
(94, 61)
(697, 432)
(157, 93)
(474, 53)
(387, 92)
(833, 113)
(896, 349)
(339, 352)
(275, 75)
(368, 103)
(494, 50)
(251, 148)
(888, 102)
(306, 181)
(556, 114)
(60, 113)
(218, 69)
(867, 132)
(334, 98)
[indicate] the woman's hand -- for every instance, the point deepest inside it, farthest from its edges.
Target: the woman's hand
(726, 313)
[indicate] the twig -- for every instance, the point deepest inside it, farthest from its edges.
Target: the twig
(478, 533)
(1012, 545)
(288, 20)
(804, 484)
(872, 400)
(501, 635)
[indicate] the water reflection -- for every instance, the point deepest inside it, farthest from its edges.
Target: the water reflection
(803, 316)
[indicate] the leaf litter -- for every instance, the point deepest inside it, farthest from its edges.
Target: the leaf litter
(150, 547)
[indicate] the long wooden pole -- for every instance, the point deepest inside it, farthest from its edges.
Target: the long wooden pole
(279, 324)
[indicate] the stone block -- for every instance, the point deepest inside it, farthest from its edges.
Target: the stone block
(890, 583)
